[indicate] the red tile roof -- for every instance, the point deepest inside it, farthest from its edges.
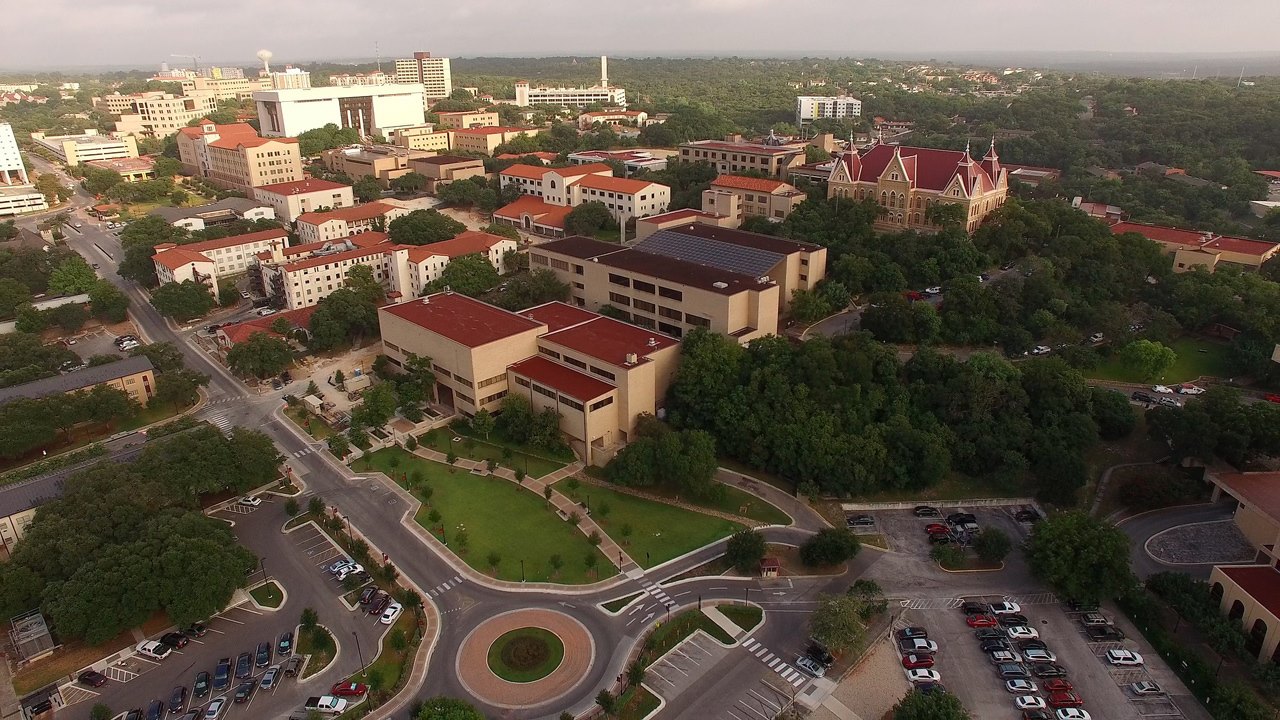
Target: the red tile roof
(610, 340)
(297, 187)
(626, 186)
(360, 251)
(238, 333)
(226, 242)
(543, 213)
(1242, 246)
(464, 320)
(1259, 490)
(738, 182)
(927, 168)
(558, 315)
(676, 215)
(1272, 174)
(544, 156)
(175, 258)
(563, 379)
(471, 241)
(361, 240)
(1261, 582)
(249, 142)
(1196, 239)
(367, 211)
(225, 131)
(521, 170)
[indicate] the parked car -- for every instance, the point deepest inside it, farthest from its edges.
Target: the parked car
(1039, 655)
(192, 714)
(1170, 402)
(1036, 644)
(337, 565)
(1146, 687)
(92, 678)
(214, 711)
(262, 657)
(178, 699)
(934, 528)
(1037, 715)
(990, 634)
(960, 519)
(1095, 338)
(819, 652)
(222, 674)
(377, 606)
(270, 678)
(994, 645)
(346, 688)
(391, 613)
(935, 290)
(1048, 670)
(1065, 699)
(912, 661)
(858, 521)
(1123, 658)
(292, 666)
(1006, 608)
(1082, 605)
(244, 666)
(811, 666)
(202, 685)
(1189, 389)
(1019, 632)
(1058, 685)
(1029, 702)
(926, 511)
(1012, 671)
(913, 295)
(908, 633)
(1272, 398)
(367, 594)
(349, 570)
(244, 691)
(1003, 657)
(943, 538)
(1020, 686)
(981, 621)
(1027, 515)
(931, 688)
(918, 646)
(1041, 350)
(284, 647)
(134, 714)
(1094, 619)
(175, 640)
(1140, 396)
(923, 676)
(263, 312)
(154, 649)
(155, 711)
(1073, 714)
(1012, 620)
(974, 608)
(195, 630)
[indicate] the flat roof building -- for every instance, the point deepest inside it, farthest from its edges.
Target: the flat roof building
(548, 189)
(463, 119)
(130, 170)
(292, 199)
(215, 213)
(632, 160)
(86, 146)
(234, 156)
(383, 163)
(728, 157)
(370, 109)
(343, 222)
(432, 73)
(422, 137)
(161, 115)
(1195, 248)
(485, 140)
(738, 197)
(602, 93)
(813, 107)
(440, 170)
(134, 376)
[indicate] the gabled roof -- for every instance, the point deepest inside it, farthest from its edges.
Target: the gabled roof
(1208, 241)
(234, 240)
(225, 131)
(461, 319)
(739, 182)
(542, 212)
(607, 183)
(468, 242)
(369, 249)
(562, 378)
(367, 211)
(238, 333)
(528, 172)
(78, 380)
(175, 258)
(926, 168)
(299, 187)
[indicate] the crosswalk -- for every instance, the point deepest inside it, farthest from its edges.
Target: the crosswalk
(303, 452)
(220, 421)
(773, 662)
(653, 589)
(445, 586)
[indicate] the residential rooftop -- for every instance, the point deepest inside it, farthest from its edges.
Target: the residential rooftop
(464, 320)
(298, 187)
(367, 211)
(562, 378)
(78, 380)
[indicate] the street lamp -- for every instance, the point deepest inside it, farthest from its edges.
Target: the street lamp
(358, 651)
(522, 570)
(262, 565)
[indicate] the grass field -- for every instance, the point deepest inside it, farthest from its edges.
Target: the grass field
(268, 595)
(735, 502)
(1196, 358)
(480, 449)
(318, 428)
(746, 617)
(659, 532)
(550, 653)
(499, 517)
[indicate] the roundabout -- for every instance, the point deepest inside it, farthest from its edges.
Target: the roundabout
(525, 658)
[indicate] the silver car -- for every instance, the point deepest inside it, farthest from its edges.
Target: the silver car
(268, 681)
(811, 666)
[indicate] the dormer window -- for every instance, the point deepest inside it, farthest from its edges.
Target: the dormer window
(893, 176)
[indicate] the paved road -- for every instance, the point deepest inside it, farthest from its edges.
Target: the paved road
(1140, 528)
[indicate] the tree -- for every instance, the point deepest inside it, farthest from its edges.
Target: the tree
(180, 388)
(138, 240)
(360, 280)
(344, 316)
(422, 227)
(471, 275)
(508, 232)
(165, 356)
(837, 621)
(588, 219)
(1148, 359)
(830, 546)
(367, 189)
(228, 295)
(378, 406)
(29, 319)
(107, 302)
(945, 214)
(260, 356)
(182, 301)
(534, 288)
(54, 192)
(992, 545)
(338, 445)
(1112, 413)
(410, 182)
(99, 180)
(745, 550)
(313, 142)
(167, 167)
(100, 711)
(69, 317)
(446, 708)
(308, 619)
(1081, 557)
(931, 706)
(72, 277)
(808, 306)
(607, 702)
(12, 294)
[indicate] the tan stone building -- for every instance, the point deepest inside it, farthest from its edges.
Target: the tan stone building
(293, 199)
(739, 198)
(440, 170)
(207, 260)
(130, 170)
(468, 119)
(133, 376)
(235, 157)
(161, 115)
(225, 88)
(87, 146)
(424, 137)
(907, 181)
(597, 373)
(343, 222)
(551, 192)
(733, 156)
(1193, 248)
(383, 163)
(485, 140)
(1251, 593)
(678, 218)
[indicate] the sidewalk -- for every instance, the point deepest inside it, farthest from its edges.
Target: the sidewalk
(727, 625)
(9, 705)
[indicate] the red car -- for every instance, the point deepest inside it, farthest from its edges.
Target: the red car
(915, 662)
(349, 689)
(913, 295)
(1065, 700)
(981, 621)
(1271, 398)
(935, 528)
(1057, 685)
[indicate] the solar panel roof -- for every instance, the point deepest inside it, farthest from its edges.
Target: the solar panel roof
(713, 253)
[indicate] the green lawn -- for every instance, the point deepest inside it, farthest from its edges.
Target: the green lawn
(268, 595)
(499, 517)
(1196, 357)
(316, 427)
(385, 671)
(542, 653)
(744, 616)
(319, 644)
(659, 532)
(441, 440)
(616, 605)
(735, 502)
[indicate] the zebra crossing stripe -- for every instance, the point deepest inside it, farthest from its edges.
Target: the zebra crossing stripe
(762, 651)
(767, 658)
(774, 662)
(750, 644)
(798, 681)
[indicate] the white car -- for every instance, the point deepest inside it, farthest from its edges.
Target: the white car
(1020, 687)
(250, 500)
(1073, 714)
(923, 675)
(340, 564)
(266, 311)
(1039, 655)
(1163, 389)
(1146, 687)
(215, 709)
(935, 290)
(349, 570)
(1170, 402)
(1095, 338)
(391, 613)
(1005, 608)
(1029, 702)
(1189, 389)
(1041, 350)
(811, 666)
(154, 649)
(1022, 632)
(1124, 658)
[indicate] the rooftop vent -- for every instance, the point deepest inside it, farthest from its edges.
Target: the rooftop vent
(632, 359)
(653, 342)
(426, 299)
(720, 284)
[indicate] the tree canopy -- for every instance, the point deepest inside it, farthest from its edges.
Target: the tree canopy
(422, 227)
(260, 356)
(472, 275)
(1081, 557)
(182, 301)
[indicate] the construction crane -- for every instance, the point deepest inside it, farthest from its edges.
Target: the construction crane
(195, 60)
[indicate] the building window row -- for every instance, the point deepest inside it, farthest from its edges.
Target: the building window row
(601, 404)
(550, 353)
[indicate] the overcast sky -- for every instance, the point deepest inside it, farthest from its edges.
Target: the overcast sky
(144, 33)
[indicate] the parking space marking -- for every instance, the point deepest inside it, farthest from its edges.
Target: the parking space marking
(765, 700)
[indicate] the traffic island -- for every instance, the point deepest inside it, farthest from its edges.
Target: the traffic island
(525, 658)
(525, 654)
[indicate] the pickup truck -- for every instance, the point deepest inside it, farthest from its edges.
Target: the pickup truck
(327, 704)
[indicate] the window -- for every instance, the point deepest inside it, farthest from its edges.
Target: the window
(601, 404)
(522, 382)
(491, 381)
(603, 373)
(669, 312)
(697, 321)
(669, 293)
(645, 306)
(551, 353)
(575, 362)
(544, 391)
(492, 398)
(619, 299)
(571, 403)
(671, 330)
(538, 259)
(644, 322)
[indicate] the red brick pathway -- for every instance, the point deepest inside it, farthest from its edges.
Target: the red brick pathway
(473, 659)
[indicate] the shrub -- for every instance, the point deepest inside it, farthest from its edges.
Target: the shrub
(831, 546)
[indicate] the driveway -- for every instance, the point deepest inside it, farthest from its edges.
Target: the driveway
(1141, 527)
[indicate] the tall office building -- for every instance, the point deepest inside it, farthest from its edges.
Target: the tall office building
(12, 171)
(432, 72)
(17, 196)
(291, 78)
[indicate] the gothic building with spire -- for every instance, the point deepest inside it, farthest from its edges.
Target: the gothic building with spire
(906, 181)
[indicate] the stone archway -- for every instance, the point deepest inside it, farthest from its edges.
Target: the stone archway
(1215, 593)
(1237, 610)
(1257, 636)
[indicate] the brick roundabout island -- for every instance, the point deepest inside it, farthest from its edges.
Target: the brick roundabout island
(552, 649)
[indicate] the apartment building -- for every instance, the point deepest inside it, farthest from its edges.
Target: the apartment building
(347, 221)
(907, 181)
(117, 104)
(291, 78)
(161, 115)
(293, 199)
(235, 157)
(216, 213)
(370, 109)
(632, 160)
(739, 198)
(551, 192)
(613, 118)
(416, 267)
(425, 137)
(1195, 248)
(432, 73)
(383, 163)
(812, 107)
(134, 376)
(440, 170)
(225, 88)
(729, 157)
(207, 260)
(598, 374)
(377, 77)
(130, 170)
(602, 93)
(485, 140)
(86, 146)
(467, 119)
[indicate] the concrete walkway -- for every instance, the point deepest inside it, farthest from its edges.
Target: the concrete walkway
(727, 625)
(9, 705)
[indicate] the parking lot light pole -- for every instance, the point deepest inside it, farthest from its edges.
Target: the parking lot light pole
(262, 565)
(522, 570)
(358, 652)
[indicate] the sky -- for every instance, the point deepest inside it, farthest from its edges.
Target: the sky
(144, 33)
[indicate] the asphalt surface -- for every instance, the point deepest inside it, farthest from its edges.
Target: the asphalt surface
(1141, 527)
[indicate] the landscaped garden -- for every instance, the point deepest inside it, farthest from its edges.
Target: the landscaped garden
(268, 595)
(651, 532)
(1196, 358)
(526, 654)
(312, 425)
(534, 463)
(319, 644)
(494, 525)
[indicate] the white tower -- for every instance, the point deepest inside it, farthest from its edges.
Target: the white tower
(265, 56)
(604, 71)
